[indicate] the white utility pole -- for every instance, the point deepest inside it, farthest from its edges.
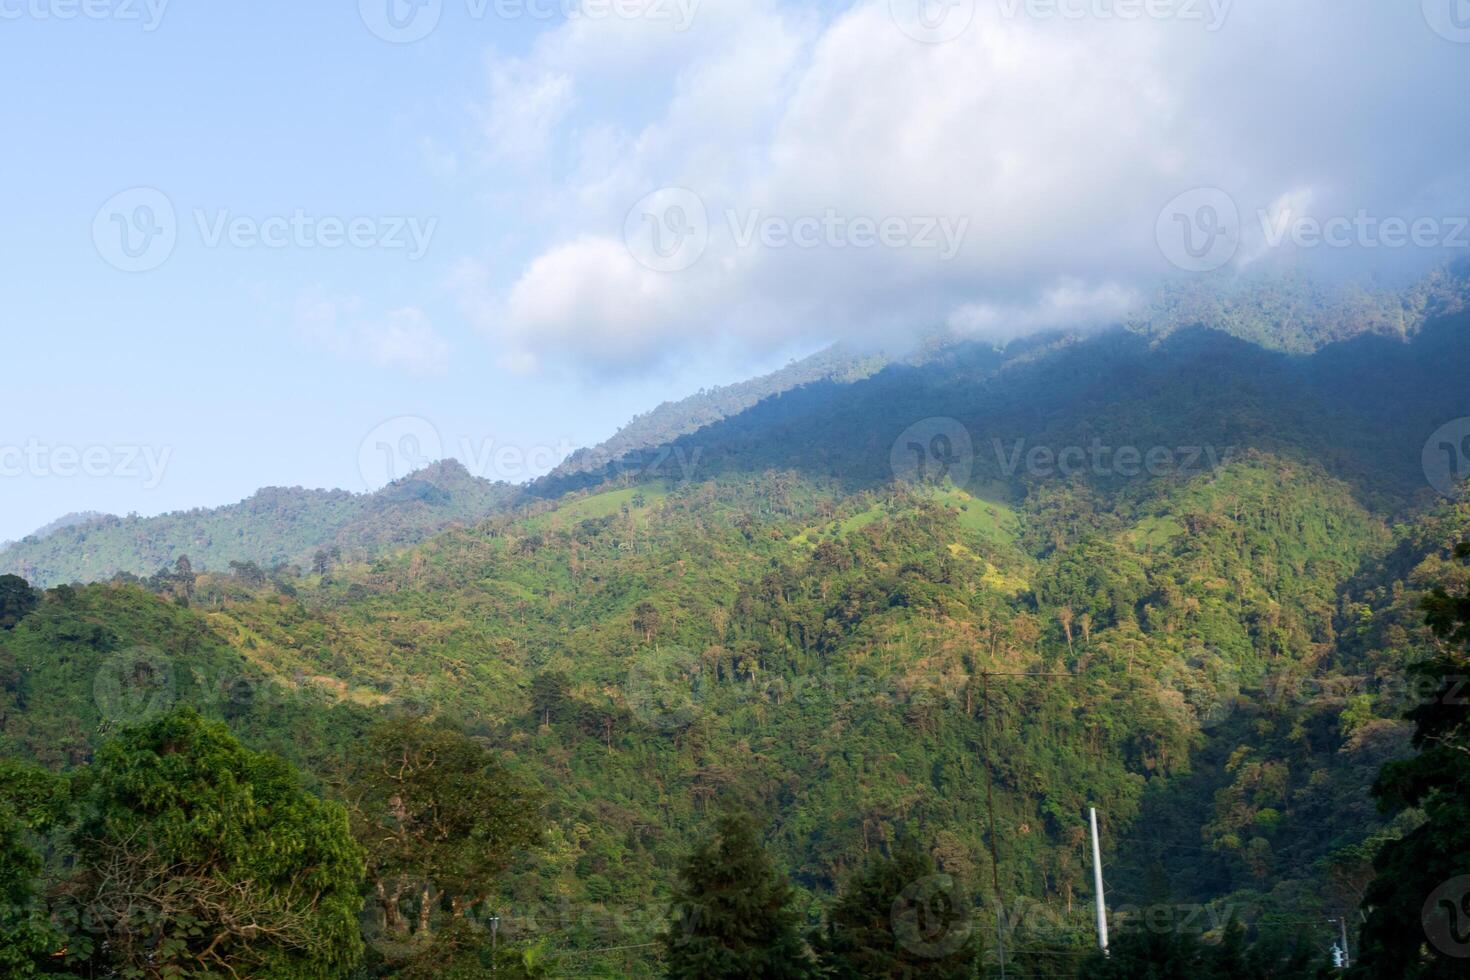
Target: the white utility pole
(1097, 884)
(1346, 959)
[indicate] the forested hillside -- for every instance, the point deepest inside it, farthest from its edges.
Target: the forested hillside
(1210, 666)
(1363, 408)
(1293, 312)
(277, 525)
(868, 615)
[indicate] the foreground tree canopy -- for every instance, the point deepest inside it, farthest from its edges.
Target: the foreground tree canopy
(209, 857)
(194, 857)
(1418, 921)
(732, 912)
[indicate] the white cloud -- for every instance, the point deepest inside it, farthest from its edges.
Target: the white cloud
(561, 303)
(527, 102)
(406, 339)
(402, 339)
(1068, 305)
(1058, 140)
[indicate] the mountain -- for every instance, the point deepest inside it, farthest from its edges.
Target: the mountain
(289, 524)
(273, 526)
(1290, 312)
(1363, 408)
(1220, 364)
(1294, 312)
(673, 419)
(1209, 662)
(65, 521)
(954, 603)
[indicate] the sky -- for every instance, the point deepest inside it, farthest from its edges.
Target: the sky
(286, 243)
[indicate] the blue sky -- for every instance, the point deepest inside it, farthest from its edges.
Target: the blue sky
(623, 206)
(257, 109)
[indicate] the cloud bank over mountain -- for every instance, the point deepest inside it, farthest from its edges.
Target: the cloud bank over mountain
(993, 167)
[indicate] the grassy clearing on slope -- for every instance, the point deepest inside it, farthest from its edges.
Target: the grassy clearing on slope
(1152, 533)
(994, 578)
(599, 506)
(988, 520)
(842, 528)
(993, 523)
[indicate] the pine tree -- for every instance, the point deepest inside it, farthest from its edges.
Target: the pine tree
(898, 918)
(732, 915)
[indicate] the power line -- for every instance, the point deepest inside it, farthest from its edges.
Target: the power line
(604, 949)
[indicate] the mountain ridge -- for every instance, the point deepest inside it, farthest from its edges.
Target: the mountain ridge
(725, 427)
(273, 525)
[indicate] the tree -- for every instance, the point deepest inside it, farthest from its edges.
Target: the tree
(1418, 906)
(1147, 953)
(732, 914)
(27, 938)
(646, 621)
(551, 699)
(184, 575)
(436, 811)
(898, 918)
(464, 950)
(248, 572)
(200, 858)
(17, 600)
(32, 802)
